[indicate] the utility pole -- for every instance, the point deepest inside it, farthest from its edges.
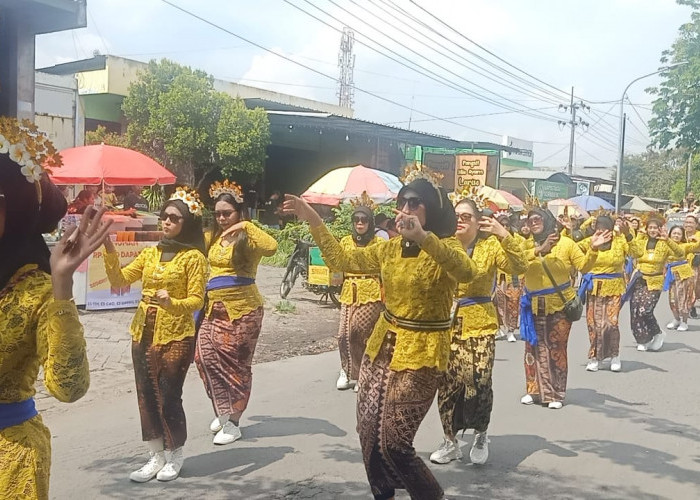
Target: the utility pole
(346, 63)
(573, 123)
(687, 173)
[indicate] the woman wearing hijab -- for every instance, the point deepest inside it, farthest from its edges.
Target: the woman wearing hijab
(360, 298)
(410, 344)
(603, 288)
(233, 310)
(39, 321)
(163, 332)
(465, 395)
(644, 289)
(679, 279)
(543, 324)
(690, 225)
(508, 287)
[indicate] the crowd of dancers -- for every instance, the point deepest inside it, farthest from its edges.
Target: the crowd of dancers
(420, 312)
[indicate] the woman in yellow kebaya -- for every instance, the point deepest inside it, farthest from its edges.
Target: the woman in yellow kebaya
(679, 279)
(410, 345)
(163, 332)
(233, 311)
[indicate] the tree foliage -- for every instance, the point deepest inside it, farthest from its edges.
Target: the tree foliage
(102, 136)
(656, 174)
(676, 108)
(176, 116)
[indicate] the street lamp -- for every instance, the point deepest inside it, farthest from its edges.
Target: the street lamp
(621, 143)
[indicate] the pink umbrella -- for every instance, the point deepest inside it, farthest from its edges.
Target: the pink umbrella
(560, 206)
(345, 183)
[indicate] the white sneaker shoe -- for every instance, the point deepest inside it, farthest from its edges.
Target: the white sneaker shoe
(511, 337)
(171, 470)
(592, 365)
(215, 425)
(343, 381)
(154, 465)
(673, 324)
(615, 364)
(555, 405)
(356, 389)
(500, 334)
(641, 347)
(480, 448)
(683, 327)
(229, 433)
(527, 400)
(448, 451)
(657, 342)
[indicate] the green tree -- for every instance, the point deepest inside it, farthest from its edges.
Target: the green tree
(102, 136)
(657, 174)
(675, 118)
(177, 117)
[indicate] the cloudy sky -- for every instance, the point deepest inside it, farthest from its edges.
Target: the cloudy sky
(473, 70)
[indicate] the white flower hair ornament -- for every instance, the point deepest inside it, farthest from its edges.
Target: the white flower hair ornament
(472, 193)
(29, 148)
(219, 188)
(190, 198)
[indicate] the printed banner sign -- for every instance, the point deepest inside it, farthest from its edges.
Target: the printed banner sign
(470, 171)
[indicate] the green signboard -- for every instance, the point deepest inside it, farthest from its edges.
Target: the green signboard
(546, 190)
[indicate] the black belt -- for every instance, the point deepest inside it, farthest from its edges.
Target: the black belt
(421, 326)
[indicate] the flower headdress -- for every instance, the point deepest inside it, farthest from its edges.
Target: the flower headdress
(502, 213)
(363, 200)
(29, 148)
(532, 202)
(190, 198)
(472, 193)
(420, 171)
(653, 215)
(219, 188)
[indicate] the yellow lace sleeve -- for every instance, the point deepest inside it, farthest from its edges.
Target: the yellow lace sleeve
(195, 269)
(636, 246)
(62, 351)
(122, 276)
(674, 249)
(583, 262)
(357, 260)
(511, 257)
(451, 256)
(259, 240)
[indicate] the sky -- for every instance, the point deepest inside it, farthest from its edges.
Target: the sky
(471, 70)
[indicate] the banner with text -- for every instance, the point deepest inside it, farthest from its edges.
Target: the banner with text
(470, 170)
(100, 294)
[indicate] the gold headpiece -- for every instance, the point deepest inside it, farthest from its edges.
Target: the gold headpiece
(29, 148)
(218, 188)
(363, 201)
(532, 202)
(472, 193)
(190, 198)
(654, 215)
(420, 171)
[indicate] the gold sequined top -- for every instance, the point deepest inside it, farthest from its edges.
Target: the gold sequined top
(490, 255)
(38, 330)
(415, 288)
(611, 262)
(241, 259)
(360, 288)
(651, 262)
(183, 277)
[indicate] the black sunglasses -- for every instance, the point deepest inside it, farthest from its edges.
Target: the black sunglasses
(171, 217)
(360, 219)
(413, 203)
(223, 213)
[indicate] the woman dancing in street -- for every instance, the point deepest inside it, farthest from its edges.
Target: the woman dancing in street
(679, 279)
(233, 310)
(360, 298)
(603, 288)
(39, 321)
(465, 395)
(543, 324)
(644, 289)
(163, 332)
(410, 345)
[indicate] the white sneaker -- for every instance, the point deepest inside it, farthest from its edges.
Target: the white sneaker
(215, 425)
(592, 365)
(448, 451)
(149, 471)
(343, 381)
(615, 364)
(511, 337)
(683, 327)
(527, 400)
(555, 405)
(673, 324)
(171, 470)
(356, 389)
(229, 433)
(480, 448)
(500, 334)
(641, 347)
(657, 342)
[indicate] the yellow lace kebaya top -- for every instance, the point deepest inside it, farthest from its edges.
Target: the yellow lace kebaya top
(241, 259)
(651, 262)
(507, 277)
(684, 271)
(489, 255)
(611, 262)
(360, 288)
(183, 277)
(415, 288)
(564, 256)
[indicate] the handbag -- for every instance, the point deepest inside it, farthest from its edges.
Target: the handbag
(573, 309)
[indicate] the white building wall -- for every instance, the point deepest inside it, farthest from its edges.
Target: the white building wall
(57, 110)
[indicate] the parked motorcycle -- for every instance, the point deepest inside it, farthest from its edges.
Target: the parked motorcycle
(306, 257)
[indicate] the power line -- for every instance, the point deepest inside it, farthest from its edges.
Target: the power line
(461, 116)
(592, 155)
(553, 154)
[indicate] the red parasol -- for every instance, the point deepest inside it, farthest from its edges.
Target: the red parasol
(109, 164)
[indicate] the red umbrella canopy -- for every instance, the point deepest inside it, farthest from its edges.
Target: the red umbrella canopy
(109, 164)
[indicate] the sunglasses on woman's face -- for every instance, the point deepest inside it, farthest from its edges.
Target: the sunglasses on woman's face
(535, 219)
(223, 213)
(360, 219)
(171, 217)
(464, 217)
(412, 202)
